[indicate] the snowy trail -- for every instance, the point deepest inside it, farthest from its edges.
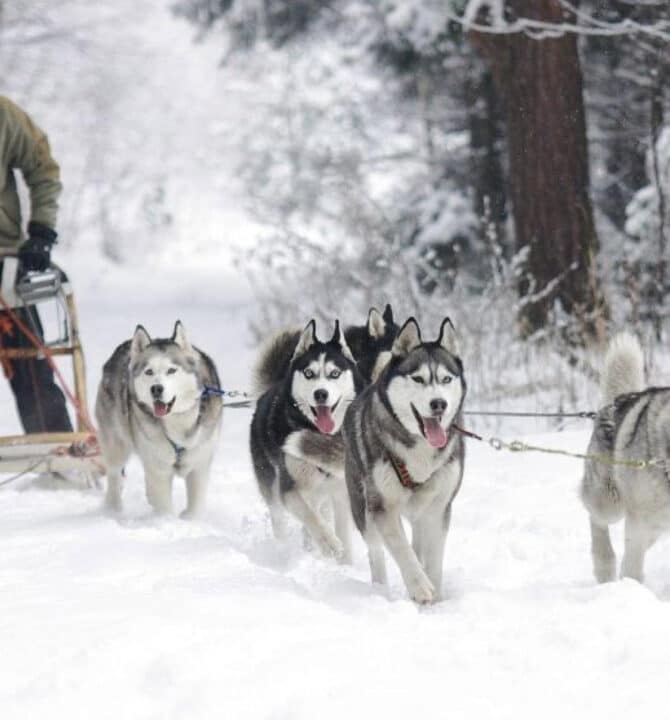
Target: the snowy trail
(161, 618)
(147, 618)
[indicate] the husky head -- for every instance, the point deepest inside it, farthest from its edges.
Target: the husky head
(371, 343)
(164, 377)
(423, 383)
(323, 378)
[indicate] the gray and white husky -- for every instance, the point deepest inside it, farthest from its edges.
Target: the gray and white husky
(633, 425)
(151, 402)
(306, 389)
(404, 458)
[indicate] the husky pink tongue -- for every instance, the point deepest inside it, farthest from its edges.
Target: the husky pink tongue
(324, 419)
(435, 433)
(160, 408)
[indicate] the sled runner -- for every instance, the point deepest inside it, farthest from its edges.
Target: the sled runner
(47, 452)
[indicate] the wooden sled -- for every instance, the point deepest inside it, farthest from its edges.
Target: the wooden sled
(61, 451)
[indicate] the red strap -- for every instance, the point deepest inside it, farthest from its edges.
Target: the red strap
(402, 473)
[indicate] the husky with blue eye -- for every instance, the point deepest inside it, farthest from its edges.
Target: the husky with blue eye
(404, 458)
(150, 402)
(305, 386)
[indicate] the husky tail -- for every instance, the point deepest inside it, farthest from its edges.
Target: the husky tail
(624, 368)
(274, 360)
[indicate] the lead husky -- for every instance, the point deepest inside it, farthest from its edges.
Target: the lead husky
(307, 396)
(634, 424)
(402, 457)
(150, 401)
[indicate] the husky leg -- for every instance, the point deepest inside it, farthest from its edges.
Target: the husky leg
(602, 552)
(113, 500)
(322, 534)
(638, 539)
(159, 489)
(196, 493)
(343, 520)
(115, 455)
(431, 529)
(417, 545)
(278, 521)
(390, 527)
(375, 552)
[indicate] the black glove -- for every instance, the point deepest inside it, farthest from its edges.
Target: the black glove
(35, 253)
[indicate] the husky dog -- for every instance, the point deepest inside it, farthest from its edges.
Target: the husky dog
(306, 397)
(403, 457)
(150, 401)
(633, 425)
(371, 343)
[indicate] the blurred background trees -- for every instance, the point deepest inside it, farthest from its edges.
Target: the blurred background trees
(426, 150)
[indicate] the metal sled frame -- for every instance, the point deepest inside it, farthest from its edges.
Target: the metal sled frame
(59, 451)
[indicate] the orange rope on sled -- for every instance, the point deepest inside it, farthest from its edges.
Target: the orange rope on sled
(39, 345)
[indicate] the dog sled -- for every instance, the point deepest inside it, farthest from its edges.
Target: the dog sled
(61, 452)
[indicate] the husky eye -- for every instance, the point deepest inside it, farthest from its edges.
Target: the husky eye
(171, 371)
(309, 374)
(148, 371)
(334, 374)
(447, 379)
(418, 379)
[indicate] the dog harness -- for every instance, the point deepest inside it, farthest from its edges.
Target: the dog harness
(403, 474)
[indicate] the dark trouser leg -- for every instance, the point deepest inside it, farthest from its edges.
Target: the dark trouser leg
(40, 402)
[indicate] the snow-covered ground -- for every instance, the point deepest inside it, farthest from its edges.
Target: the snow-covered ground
(148, 618)
(162, 618)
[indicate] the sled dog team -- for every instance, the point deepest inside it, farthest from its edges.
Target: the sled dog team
(365, 426)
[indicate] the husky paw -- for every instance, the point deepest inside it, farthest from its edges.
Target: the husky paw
(421, 590)
(331, 547)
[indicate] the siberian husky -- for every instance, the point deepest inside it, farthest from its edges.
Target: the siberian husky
(633, 425)
(307, 386)
(403, 457)
(151, 402)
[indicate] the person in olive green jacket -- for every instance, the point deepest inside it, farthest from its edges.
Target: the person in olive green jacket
(24, 147)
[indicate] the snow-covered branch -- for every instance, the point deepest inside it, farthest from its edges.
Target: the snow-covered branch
(488, 16)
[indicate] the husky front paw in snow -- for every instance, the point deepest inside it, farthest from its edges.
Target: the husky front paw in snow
(403, 457)
(307, 386)
(150, 402)
(633, 425)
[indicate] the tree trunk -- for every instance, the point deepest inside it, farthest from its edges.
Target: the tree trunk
(485, 147)
(540, 82)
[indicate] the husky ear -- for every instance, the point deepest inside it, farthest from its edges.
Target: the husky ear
(339, 339)
(388, 314)
(140, 342)
(306, 340)
(376, 324)
(447, 338)
(179, 337)
(408, 339)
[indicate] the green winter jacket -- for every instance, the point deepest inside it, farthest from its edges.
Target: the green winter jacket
(25, 147)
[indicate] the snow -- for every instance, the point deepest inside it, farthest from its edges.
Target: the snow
(147, 618)
(161, 618)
